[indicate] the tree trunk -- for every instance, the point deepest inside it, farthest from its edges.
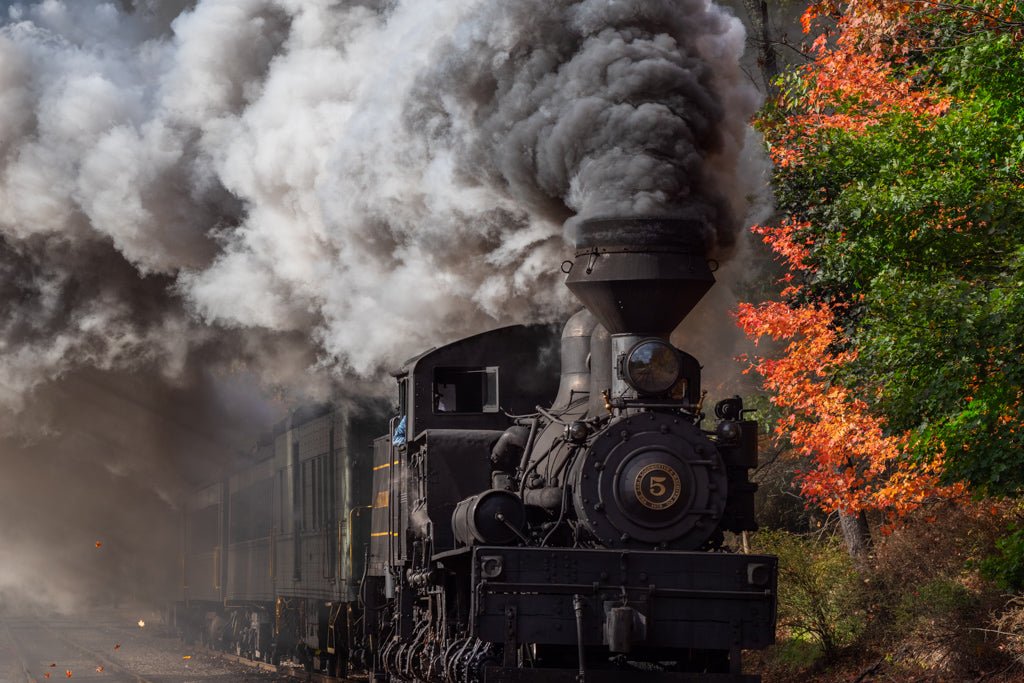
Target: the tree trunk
(856, 535)
(769, 60)
(760, 27)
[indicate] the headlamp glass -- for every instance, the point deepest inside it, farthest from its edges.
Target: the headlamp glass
(652, 366)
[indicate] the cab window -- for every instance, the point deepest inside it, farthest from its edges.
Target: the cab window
(466, 390)
(403, 393)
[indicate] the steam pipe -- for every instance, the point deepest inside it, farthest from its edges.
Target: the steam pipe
(526, 454)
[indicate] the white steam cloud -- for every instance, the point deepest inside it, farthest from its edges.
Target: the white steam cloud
(377, 178)
(306, 189)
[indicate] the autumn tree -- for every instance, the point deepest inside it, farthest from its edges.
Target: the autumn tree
(899, 158)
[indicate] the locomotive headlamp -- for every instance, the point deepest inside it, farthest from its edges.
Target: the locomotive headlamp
(577, 431)
(729, 431)
(652, 366)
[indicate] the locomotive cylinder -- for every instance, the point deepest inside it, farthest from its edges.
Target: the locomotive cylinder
(493, 517)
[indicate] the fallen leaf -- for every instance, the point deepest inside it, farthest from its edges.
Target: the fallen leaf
(99, 669)
(68, 673)
(186, 656)
(117, 646)
(99, 544)
(46, 675)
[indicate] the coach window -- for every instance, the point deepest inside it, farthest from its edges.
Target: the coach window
(466, 390)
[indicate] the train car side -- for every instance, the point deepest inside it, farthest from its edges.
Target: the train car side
(273, 555)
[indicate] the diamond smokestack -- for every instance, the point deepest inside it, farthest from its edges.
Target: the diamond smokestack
(642, 275)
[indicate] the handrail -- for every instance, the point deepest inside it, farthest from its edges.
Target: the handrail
(358, 509)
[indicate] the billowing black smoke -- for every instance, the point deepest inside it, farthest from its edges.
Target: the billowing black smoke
(614, 109)
(300, 193)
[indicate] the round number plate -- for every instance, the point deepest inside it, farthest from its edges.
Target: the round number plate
(657, 486)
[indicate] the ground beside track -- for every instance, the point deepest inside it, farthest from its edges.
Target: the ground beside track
(108, 647)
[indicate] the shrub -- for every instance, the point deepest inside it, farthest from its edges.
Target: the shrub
(819, 589)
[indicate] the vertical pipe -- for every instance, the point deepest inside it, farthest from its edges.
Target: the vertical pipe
(577, 604)
(526, 454)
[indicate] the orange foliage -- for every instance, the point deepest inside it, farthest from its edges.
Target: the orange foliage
(855, 465)
(855, 76)
(875, 22)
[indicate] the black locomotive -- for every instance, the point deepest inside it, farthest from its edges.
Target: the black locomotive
(495, 534)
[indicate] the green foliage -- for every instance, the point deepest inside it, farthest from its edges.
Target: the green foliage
(819, 590)
(918, 227)
(986, 68)
(1006, 567)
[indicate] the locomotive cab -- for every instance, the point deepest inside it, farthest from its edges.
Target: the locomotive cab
(476, 382)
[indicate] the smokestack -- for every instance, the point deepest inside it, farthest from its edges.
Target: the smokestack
(640, 276)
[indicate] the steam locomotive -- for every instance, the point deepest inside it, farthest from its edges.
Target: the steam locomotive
(506, 527)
